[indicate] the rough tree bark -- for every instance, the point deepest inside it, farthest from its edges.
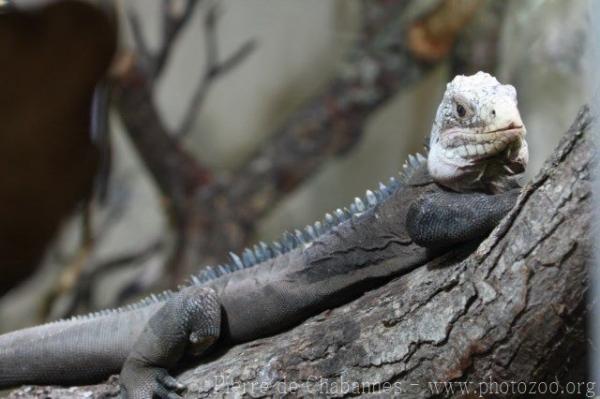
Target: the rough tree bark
(512, 310)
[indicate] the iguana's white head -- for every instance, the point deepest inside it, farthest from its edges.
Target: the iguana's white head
(478, 137)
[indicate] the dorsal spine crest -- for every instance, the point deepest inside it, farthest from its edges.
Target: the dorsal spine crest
(289, 241)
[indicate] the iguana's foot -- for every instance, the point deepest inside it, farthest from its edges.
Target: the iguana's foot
(444, 219)
(142, 382)
(188, 323)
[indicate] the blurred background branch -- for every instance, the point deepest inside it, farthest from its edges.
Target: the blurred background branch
(175, 15)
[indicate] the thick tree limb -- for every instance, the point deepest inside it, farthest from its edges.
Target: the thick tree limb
(514, 310)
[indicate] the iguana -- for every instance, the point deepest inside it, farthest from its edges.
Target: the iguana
(458, 193)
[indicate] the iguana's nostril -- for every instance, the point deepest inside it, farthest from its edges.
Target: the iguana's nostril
(493, 113)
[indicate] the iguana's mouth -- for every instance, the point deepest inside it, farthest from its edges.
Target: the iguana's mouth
(479, 145)
(510, 127)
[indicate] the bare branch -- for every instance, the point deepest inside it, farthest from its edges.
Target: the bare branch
(176, 171)
(141, 47)
(175, 16)
(213, 69)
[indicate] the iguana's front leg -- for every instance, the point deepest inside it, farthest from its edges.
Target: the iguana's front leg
(442, 219)
(189, 322)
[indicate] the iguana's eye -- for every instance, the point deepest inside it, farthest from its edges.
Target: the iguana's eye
(460, 110)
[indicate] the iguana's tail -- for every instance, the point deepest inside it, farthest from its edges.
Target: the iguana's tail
(78, 351)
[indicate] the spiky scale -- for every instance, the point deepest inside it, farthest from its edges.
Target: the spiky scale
(329, 219)
(382, 187)
(237, 261)
(293, 241)
(360, 205)
(248, 257)
(289, 241)
(319, 228)
(340, 215)
(305, 232)
(222, 270)
(371, 197)
(353, 208)
(208, 273)
(258, 253)
(195, 279)
(299, 236)
(266, 250)
(310, 231)
(276, 248)
(285, 242)
(413, 161)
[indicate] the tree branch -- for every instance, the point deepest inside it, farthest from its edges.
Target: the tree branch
(514, 310)
(174, 18)
(175, 171)
(213, 69)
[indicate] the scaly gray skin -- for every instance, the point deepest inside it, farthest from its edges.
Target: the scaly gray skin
(272, 288)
